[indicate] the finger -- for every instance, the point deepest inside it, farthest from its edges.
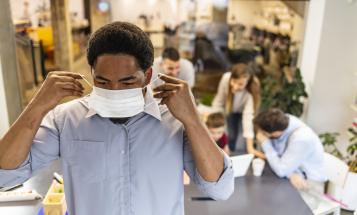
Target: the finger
(70, 86)
(68, 79)
(164, 94)
(167, 86)
(170, 79)
(164, 101)
(66, 93)
(71, 74)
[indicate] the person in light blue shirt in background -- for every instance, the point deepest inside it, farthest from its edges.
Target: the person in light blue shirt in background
(292, 149)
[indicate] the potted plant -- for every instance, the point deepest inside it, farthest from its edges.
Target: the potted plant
(286, 92)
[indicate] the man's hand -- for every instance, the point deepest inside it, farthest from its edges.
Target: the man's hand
(16, 143)
(177, 96)
(256, 153)
(57, 86)
(252, 150)
(298, 182)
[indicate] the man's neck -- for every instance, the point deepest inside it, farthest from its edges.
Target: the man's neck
(119, 120)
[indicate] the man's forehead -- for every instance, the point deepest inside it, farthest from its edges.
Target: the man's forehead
(170, 62)
(117, 60)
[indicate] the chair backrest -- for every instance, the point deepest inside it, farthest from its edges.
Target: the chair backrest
(335, 169)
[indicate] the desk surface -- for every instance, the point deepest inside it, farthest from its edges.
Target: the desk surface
(266, 195)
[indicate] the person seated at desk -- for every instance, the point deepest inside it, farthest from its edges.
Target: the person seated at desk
(171, 64)
(121, 152)
(215, 123)
(292, 149)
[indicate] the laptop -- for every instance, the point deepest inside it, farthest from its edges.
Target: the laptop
(241, 164)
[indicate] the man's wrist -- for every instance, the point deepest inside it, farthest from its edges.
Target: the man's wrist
(36, 110)
(192, 120)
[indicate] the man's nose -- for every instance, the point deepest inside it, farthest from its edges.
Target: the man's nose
(114, 86)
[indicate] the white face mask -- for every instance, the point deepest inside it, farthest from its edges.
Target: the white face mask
(117, 103)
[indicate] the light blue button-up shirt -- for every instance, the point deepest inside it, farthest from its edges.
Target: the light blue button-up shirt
(298, 150)
(112, 169)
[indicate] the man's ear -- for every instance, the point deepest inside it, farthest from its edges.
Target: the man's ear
(148, 75)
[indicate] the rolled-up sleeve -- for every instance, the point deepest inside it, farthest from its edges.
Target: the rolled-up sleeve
(44, 150)
(16, 176)
(222, 189)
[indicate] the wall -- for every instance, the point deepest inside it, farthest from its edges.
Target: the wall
(77, 6)
(249, 13)
(17, 8)
(298, 31)
(4, 119)
(311, 44)
(129, 10)
(244, 11)
(10, 94)
(329, 64)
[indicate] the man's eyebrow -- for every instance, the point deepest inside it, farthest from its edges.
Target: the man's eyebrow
(101, 78)
(127, 78)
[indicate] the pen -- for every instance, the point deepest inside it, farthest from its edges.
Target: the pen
(58, 178)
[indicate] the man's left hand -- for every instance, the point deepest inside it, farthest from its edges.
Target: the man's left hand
(176, 95)
(298, 182)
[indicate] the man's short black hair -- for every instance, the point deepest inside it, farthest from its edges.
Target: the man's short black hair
(272, 120)
(171, 53)
(121, 38)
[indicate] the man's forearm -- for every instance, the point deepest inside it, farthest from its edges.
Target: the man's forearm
(16, 143)
(209, 159)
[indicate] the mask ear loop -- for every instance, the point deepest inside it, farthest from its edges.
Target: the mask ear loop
(85, 80)
(155, 79)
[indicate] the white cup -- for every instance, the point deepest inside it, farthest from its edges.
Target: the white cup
(258, 166)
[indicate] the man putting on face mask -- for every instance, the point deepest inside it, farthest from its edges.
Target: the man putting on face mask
(121, 152)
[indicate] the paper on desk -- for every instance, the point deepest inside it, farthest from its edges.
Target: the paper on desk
(23, 195)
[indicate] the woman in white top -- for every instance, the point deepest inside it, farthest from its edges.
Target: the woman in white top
(239, 97)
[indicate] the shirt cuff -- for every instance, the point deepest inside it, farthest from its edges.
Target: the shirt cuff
(223, 187)
(16, 176)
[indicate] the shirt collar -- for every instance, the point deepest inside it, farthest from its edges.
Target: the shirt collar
(151, 105)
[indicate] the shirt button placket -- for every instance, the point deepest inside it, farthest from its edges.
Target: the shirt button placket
(125, 195)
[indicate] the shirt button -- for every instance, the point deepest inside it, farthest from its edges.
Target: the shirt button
(122, 152)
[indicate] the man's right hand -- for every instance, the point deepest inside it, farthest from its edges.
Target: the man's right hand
(16, 143)
(58, 85)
